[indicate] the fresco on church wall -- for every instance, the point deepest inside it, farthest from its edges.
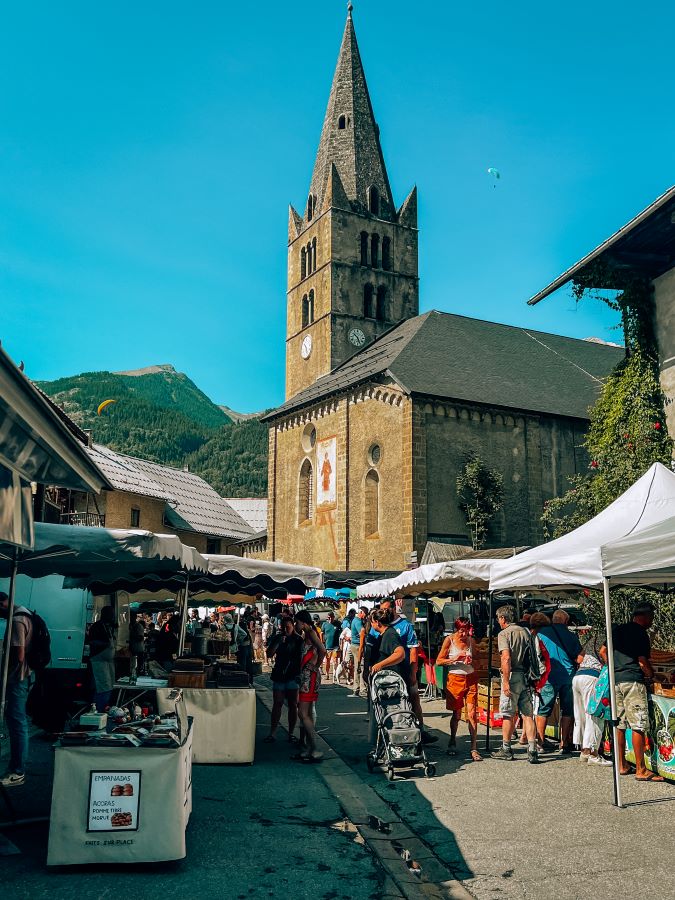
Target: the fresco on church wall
(326, 461)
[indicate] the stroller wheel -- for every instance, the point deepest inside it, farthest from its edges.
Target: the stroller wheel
(390, 773)
(430, 770)
(370, 762)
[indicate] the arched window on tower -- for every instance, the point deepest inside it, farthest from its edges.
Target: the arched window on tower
(386, 253)
(308, 251)
(310, 308)
(375, 251)
(368, 312)
(364, 248)
(342, 123)
(372, 503)
(303, 263)
(310, 207)
(381, 308)
(374, 200)
(305, 311)
(305, 493)
(313, 254)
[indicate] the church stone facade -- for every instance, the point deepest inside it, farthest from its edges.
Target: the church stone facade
(383, 405)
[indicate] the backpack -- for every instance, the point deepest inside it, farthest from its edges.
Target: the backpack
(598, 703)
(39, 652)
(532, 669)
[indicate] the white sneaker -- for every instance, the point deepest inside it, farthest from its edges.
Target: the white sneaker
(599, 761)
(12, 779)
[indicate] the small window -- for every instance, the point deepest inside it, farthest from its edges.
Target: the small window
(372, 503)
(305, 311)
(303, 263)
(313, 254)
(135, 518)
(342, 123)
(386, 253)
(308, 438)
(213, 545)
(375, 455)
(364, 248)
(368, 312)
(375, 251)
(310, 308)
(374, 200)
(305, 493)
(310, 207)
(381, 308)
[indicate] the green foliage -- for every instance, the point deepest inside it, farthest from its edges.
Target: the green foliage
(164, 417)
(480, 493)
(626, 435)
(234, 460)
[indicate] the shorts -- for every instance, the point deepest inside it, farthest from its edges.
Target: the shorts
(285, 687)
(632, 710)
(309, 686)
(461, 689)
(519, 700)
(541, 699)
(332, 653)
(566, 695)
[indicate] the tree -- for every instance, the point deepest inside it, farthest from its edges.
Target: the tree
(480, 493)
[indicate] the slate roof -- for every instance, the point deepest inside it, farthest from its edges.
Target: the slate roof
(253, 510)
(192, 504)
(451, 357)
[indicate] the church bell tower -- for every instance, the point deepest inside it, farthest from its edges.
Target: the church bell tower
(352, 255)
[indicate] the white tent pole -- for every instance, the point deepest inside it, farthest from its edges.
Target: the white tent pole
(612, 691)
(183, 617)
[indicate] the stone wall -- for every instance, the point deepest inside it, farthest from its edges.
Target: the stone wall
(535, 455)
(664, 302)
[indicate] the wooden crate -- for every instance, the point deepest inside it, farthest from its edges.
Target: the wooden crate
(187, 679)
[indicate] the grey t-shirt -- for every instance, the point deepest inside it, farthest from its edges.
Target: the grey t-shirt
(517, 640)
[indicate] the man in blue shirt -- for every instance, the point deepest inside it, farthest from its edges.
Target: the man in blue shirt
(360, 689)
(564, 649)
(408, 637)
(331, 640)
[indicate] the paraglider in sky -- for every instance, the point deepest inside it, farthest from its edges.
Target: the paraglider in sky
(494, 173)
(103, 405)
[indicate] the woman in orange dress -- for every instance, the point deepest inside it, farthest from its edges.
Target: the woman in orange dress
(461, 684)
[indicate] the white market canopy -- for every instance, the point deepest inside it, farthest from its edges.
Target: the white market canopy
(458, 575)
(612, 544)
(237, 574)
(105, 559)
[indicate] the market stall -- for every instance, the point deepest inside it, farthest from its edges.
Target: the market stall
(123, 796)
(631, 542)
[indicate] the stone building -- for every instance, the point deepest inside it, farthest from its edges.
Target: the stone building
(383, 405)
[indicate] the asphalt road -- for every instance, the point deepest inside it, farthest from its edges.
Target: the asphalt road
(276, 829)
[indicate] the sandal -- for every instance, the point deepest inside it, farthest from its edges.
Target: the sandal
(313, 759)
(270, 739)
(298, 757)
(475, 756)
(650, 776)
(292, 739)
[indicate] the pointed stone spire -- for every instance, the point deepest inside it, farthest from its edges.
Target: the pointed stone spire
(350, 137)
(294, 223)
(334, 193)
(407, 214)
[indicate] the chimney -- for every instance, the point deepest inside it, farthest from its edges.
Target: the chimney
(90, 436)
(186, 467)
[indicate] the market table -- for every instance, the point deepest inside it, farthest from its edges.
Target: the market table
(143, 685)
(225, 719)
(144, 820)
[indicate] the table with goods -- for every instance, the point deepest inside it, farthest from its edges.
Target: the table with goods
(660, 749)
(218, 696)
(122, 788)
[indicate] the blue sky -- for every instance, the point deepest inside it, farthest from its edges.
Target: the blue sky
(148, 153)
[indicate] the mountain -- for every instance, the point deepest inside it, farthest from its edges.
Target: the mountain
(161, 415)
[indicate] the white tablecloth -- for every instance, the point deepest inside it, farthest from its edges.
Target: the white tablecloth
(224, 719)
(162, 804)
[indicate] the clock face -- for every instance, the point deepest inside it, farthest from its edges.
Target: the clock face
(356, 337)
(306, 346)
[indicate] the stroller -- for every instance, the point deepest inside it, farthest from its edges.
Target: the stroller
(399, 737)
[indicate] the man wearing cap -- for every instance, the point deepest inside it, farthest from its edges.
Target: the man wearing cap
(632, 671)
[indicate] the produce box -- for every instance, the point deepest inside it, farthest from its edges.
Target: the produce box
(187, 679)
